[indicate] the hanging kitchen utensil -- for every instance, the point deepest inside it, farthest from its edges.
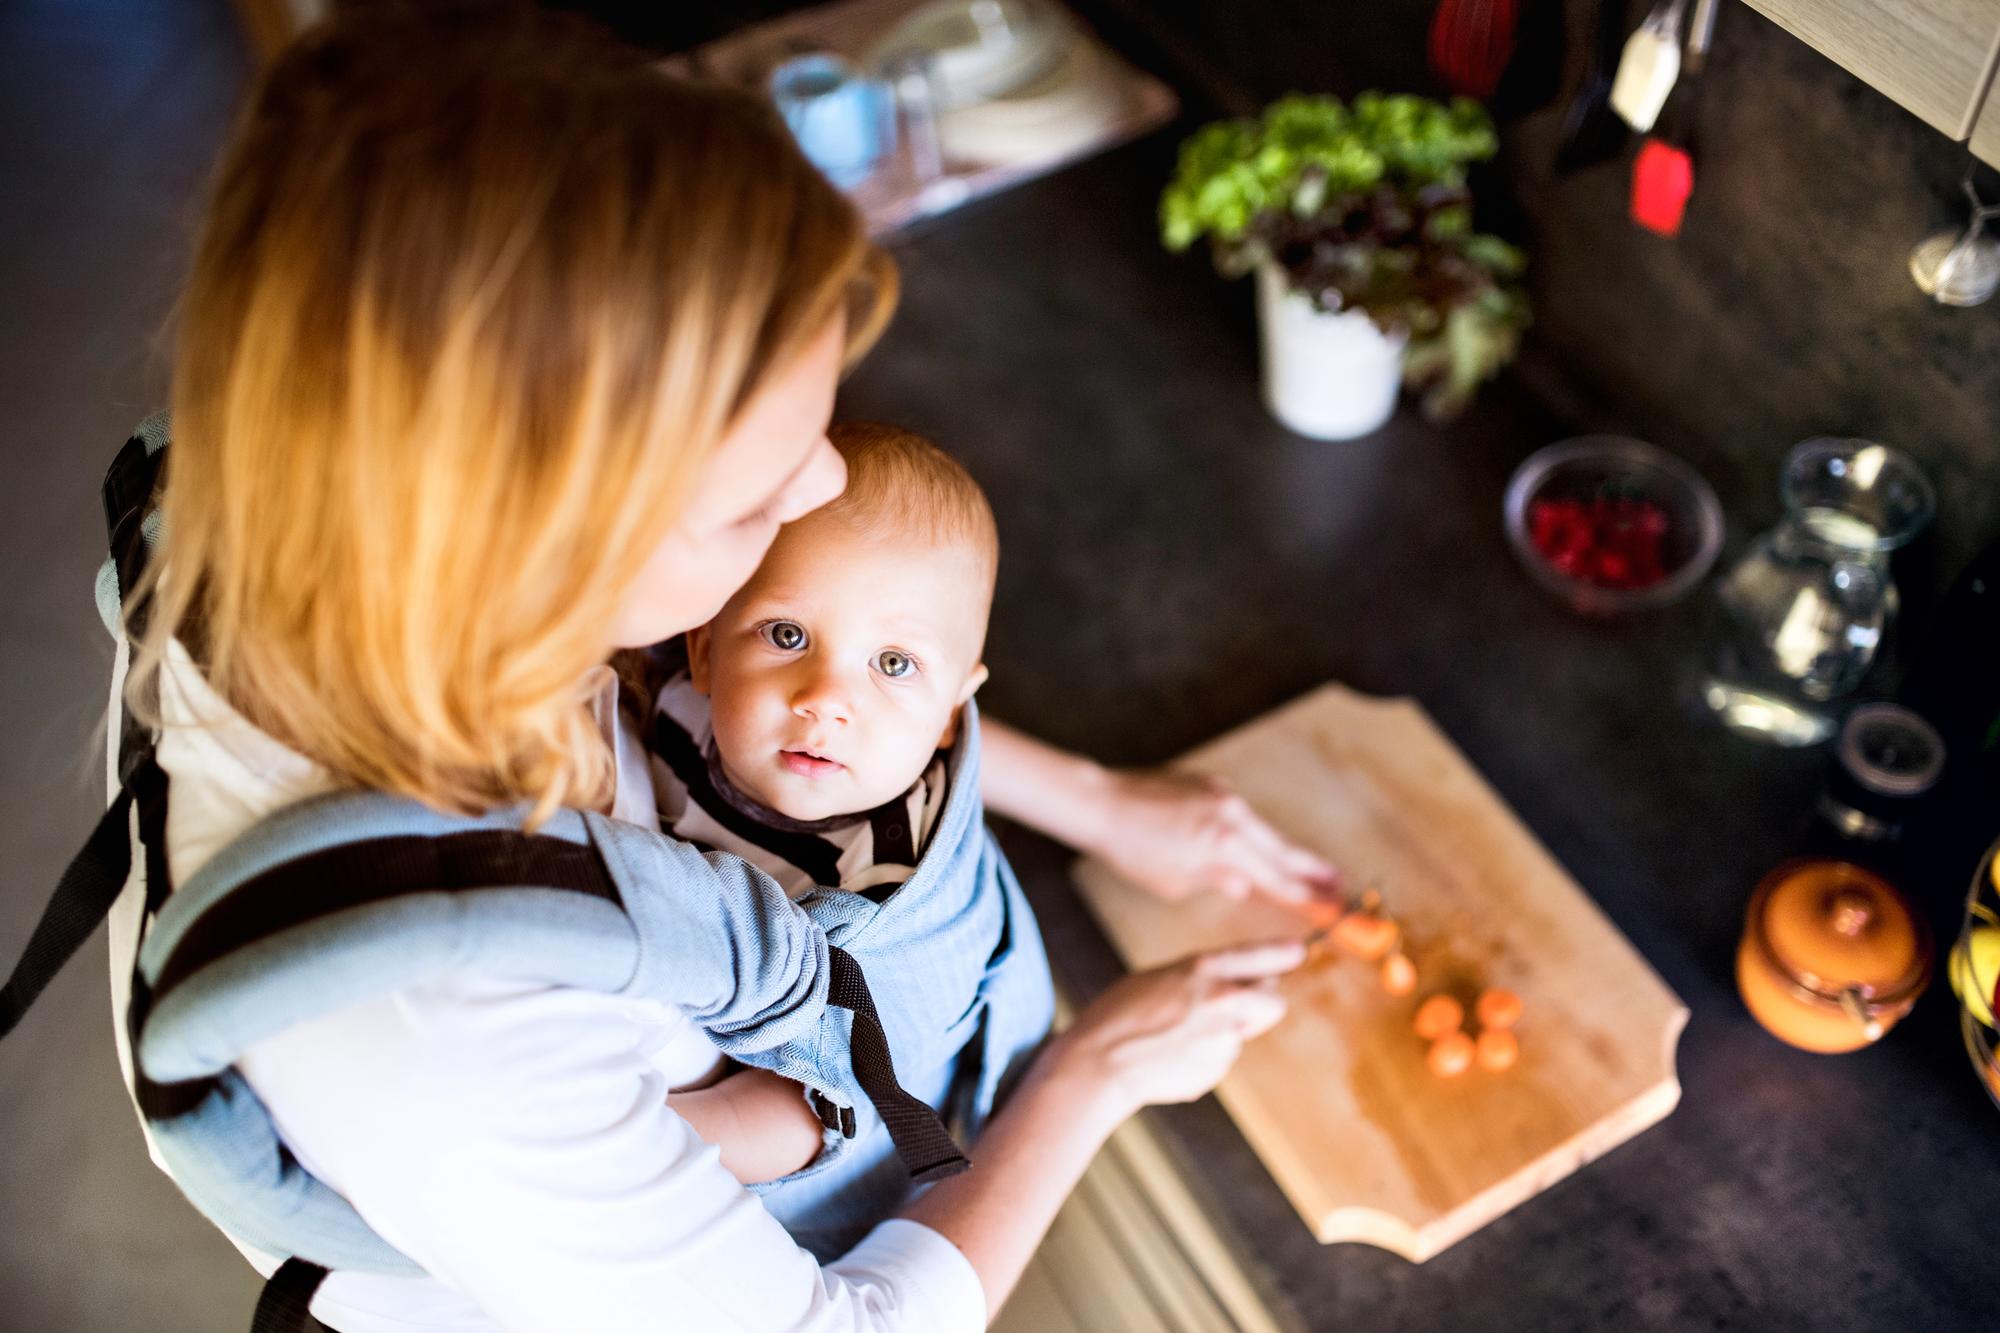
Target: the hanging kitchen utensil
(1591, 131)
(1471, 42)
(1701, 36)
(1960, 268)
(1663, 172)
(1651, 63)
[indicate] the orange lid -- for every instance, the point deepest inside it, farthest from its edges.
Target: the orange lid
(1831, 927)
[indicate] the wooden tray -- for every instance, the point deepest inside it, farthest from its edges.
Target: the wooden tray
(1337, 1101)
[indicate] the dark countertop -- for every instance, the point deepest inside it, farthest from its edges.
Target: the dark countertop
(1174, 563)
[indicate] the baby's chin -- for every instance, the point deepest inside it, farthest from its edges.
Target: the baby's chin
(812, 798)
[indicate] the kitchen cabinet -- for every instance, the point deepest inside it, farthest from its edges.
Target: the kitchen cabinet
(1986, 131)
(1934, 57)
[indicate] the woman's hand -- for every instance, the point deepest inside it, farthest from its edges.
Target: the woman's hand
(1174, 834)
(1169, 1035)
(1179, 834)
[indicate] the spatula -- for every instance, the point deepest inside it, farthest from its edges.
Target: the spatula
(1591, 131)
(1651, 63)
(1663, 171)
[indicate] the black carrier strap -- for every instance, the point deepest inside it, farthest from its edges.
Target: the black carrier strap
(128, 489)
(82, 900)
(344, 876)
(921, 1139)
(356, 874)
(286, 1305)
(94, 878)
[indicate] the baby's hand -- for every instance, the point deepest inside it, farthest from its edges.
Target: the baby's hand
(759, 1120)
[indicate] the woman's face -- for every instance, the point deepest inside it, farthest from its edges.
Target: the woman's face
(773, 466)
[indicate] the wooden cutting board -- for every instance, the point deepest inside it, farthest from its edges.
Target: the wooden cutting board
(1367, 1143)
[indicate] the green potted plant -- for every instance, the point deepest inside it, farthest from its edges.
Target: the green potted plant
(1357, 221)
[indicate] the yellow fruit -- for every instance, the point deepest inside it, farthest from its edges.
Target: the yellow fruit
(1973, 974)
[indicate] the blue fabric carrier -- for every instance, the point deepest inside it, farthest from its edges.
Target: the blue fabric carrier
(884, 1011)
(955, 964)
(238, 954)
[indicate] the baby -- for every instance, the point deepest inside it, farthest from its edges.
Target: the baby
(822, 731)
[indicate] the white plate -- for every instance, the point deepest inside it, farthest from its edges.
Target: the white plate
(979, 49)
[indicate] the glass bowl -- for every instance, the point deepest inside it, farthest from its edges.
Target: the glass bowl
(1857, 493)
(1603, 472)
(1975, 972)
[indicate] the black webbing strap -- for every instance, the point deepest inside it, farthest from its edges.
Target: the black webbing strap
(157, 1101)
(286, 1305)
(96, 875)
(83, 898)
(921, 1139)
(373, 870)
(128, 493)
(334, 879)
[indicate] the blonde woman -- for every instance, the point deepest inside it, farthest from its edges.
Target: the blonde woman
(502, 352)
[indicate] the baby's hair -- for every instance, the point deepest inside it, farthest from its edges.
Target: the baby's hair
(900, 484)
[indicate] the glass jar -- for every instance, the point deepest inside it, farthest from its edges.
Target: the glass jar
(1807, 607)
(1886, 760)
(1831, 957)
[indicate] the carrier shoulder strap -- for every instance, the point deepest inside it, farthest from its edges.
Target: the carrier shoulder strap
(83, 898)
(325, 886)
(95, 877)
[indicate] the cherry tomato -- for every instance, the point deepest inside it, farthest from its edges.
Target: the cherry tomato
(1437, 1017)
(1497, 1008)
(1399, 974)
(1451, 1055)
(1498, 1049)
(1367, 937)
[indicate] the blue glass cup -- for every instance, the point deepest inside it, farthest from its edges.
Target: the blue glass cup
(844, 122)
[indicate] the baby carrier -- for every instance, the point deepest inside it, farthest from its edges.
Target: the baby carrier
(354, 894)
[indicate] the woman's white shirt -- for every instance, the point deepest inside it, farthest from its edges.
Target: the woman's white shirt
(515, 1139)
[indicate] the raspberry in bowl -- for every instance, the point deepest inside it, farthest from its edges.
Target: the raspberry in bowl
(1610, 524)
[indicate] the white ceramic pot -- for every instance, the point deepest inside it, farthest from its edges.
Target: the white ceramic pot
(1329, 377)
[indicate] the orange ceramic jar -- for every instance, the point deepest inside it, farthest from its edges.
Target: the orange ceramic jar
(1831, 957)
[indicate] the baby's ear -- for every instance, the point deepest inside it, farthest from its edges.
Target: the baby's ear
(972, 684)
(697, 646)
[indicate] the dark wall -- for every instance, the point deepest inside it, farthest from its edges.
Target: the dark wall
(1784, 309)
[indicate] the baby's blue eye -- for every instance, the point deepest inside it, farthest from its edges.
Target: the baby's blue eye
(784, 635)
(892, 663)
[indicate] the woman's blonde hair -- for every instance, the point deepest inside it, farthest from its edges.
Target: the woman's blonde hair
(474, 300)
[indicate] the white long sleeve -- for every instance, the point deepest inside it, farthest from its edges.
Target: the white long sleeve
(516, 1142)
(515, 1139)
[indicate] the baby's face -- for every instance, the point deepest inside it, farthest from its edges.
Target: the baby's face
(839, 669)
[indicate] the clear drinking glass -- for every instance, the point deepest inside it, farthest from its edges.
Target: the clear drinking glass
(1960, 267)
(1807, 607)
